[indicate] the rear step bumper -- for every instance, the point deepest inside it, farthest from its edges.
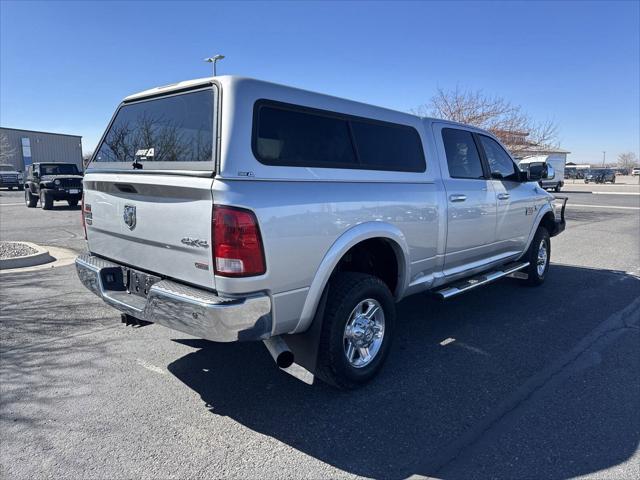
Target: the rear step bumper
(181, 307)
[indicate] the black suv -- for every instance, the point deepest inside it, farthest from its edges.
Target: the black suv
(600, 175)
(52, 181)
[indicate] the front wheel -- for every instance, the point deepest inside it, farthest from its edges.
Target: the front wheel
(538, 256)
(46, 201)
(558, 188)
(357, 330)
(73, 203)
(30, 200)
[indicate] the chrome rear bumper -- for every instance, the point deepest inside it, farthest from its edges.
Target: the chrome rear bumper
(181, 307)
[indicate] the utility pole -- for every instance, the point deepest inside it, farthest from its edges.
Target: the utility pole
(604, 157)
(213, 60)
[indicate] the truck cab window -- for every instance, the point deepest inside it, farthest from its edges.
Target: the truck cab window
(499, 161)
(463, 159)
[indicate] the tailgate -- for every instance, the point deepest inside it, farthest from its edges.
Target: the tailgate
(154, 222)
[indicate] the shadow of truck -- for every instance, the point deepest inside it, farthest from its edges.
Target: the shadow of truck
(429, 396)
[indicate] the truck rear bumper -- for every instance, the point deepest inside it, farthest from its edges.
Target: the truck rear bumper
(178, 306)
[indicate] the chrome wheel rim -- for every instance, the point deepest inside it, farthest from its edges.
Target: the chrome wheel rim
(364, 333)
(542, 258)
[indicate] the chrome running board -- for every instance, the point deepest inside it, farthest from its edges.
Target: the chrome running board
(482, 279)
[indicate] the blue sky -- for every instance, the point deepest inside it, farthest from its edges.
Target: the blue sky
(64, 66)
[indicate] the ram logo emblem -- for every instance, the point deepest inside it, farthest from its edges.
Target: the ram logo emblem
(129, 216)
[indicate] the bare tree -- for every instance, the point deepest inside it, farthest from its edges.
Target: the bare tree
(6, 150)
(86, 158)
(523, 136)
(627, 160)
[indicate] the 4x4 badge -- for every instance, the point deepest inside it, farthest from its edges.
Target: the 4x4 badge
(129, 216)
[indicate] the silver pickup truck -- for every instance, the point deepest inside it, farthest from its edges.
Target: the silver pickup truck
(235, 209)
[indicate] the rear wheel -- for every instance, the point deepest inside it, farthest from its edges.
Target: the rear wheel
(46, 202)
(30, 200)
(357, 329)
(538, 256)
(558, 188)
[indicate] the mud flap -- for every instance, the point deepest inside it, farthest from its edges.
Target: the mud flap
(305, 345)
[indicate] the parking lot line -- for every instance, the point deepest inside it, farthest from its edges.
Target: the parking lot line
(601, 206)
(616, 193)
(9, 204)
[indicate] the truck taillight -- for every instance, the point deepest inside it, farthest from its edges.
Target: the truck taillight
(237, 244)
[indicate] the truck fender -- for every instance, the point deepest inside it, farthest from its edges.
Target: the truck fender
(348, 239)
(546, 208)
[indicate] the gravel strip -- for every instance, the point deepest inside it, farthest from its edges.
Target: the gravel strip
(15, 249)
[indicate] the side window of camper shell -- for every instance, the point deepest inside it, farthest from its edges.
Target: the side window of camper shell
(295, 136)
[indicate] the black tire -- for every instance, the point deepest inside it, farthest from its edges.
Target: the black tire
(20, 187)
(73, 203)
(346, 291)
(46, 202)
(30, 200)
(558, 188)
(534, 277)
(9, 188)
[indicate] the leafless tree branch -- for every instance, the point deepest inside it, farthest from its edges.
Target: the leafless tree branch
(507, 121)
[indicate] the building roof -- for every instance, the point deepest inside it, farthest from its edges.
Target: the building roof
(40, 131)
(542, 150)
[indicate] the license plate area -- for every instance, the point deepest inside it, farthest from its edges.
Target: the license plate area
(138, 283)
(74, 190)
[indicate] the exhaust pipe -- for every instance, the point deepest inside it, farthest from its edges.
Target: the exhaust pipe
(279, 351)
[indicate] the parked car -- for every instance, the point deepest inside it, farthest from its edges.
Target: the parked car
(600, 175)
(49, 182)
(635, 172)
(571, 173)
(10, 178)
(300, 219)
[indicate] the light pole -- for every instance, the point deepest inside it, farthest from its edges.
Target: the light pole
(604, 157)
(213, 60)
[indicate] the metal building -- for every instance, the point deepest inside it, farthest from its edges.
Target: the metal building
(24, 147)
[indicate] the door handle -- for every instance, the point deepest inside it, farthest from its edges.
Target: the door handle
(457, 198)
(503, 196)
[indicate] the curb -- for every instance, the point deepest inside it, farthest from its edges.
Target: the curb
(40, 257)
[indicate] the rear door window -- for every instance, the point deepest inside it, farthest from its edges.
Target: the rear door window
(172, 132)
(463, 159)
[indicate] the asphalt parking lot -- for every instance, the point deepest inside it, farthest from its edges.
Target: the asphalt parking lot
(503, 382)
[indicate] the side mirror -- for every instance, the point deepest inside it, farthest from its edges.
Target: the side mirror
(537, 171)
(551, 173)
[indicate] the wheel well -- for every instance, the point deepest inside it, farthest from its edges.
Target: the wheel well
(548, 221)
(376, 257)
